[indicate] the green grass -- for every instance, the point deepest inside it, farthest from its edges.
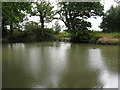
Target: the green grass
(62, 36)
(115, 42)
(109, 35)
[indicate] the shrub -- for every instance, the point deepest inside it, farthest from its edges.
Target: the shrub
(85, 36)
(33, 33)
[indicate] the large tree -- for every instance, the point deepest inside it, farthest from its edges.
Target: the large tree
(13, 13)
(45, 11)
(111, 20)
(75, 14)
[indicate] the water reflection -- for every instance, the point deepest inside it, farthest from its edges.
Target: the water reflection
(46, 67)
(77, 73)
(0, 66)
(34, 61)
(107, 78)
(59, 65)
(16, 46)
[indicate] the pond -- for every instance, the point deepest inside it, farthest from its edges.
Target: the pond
(59, 65)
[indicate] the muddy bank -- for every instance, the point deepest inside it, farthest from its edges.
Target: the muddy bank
(109, 41)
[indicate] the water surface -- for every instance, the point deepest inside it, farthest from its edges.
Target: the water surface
(59, 65)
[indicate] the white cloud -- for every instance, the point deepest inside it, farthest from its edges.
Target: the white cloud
(95, 23)
(34, 18)
(108, 4)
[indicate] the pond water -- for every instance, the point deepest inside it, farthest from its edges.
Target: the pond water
(59, 65)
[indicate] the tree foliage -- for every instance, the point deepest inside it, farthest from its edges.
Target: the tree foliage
(75, 14)
(111, 20)
(57, 27)
(13, 13)
(29, 24)
(45, 11)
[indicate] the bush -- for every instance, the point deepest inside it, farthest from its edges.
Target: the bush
(85, 36)
(33, 33)
(38, 33)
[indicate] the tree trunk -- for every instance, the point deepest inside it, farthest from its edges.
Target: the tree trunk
(11, 30)
(4, 29)
(42, 21)
(42, 25)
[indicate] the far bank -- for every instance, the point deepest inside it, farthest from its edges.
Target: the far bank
(96, 38)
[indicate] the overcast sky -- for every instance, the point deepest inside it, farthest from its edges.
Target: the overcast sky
(95, 22)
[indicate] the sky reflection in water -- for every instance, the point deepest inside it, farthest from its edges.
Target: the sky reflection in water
(59, 65)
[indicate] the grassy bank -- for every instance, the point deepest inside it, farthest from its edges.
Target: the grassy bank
(38, 35)
(62, 36)
(109, 38)
(102, 38)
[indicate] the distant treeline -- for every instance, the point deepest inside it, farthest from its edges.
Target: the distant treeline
(111, 20)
